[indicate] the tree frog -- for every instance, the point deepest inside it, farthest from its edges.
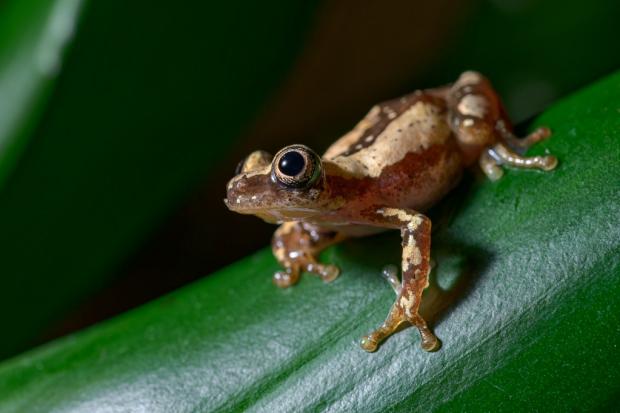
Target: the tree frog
(398, 161)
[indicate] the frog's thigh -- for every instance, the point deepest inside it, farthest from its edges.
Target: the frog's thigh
(416, 241)
(296, 245)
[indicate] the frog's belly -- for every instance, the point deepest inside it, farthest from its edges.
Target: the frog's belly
(420, 180)
(355, 230)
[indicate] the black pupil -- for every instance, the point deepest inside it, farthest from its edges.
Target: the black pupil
(292, 163)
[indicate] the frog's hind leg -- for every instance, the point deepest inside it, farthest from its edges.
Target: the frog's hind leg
(296, 245)
(482, 130)
(416, 242)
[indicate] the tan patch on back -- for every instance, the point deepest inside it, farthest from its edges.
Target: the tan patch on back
(416, 129)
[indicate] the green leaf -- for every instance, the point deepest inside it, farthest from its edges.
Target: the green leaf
(524, 298)
(148, 100)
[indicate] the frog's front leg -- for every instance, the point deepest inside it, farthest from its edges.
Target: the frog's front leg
(296, 246)
(415, 230)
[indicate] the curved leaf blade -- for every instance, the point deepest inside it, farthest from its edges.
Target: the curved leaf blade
(524, 298)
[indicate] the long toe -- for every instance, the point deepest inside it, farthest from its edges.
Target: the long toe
(368, 344)
(549, 163)
(430, 343)
(329, 273)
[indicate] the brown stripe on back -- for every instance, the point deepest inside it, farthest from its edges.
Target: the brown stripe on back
(417, 181)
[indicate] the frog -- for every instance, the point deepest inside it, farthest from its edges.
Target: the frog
(402, 158)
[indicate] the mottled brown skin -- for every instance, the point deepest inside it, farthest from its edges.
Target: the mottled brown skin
(402, 158)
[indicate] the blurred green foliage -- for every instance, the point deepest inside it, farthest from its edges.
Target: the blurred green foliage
(33, 35)
(146, 102)
(524, 297)
(534, 51)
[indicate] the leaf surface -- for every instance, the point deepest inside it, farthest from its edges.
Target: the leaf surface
(524, 298)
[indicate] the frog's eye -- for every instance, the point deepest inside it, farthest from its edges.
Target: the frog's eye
(296, 166)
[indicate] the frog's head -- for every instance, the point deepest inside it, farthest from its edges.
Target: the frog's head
(287, 187)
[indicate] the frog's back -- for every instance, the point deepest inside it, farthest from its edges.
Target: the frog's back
(405, 148)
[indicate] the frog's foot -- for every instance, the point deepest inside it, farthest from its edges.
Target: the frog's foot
(286, 278)
(397, 316)
(430, 342)
(506, 152)
(290, 275)
(394, 319)
(327, 272)
(296, 245)
(500, 154)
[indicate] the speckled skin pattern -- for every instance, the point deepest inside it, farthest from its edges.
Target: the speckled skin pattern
(398, 161)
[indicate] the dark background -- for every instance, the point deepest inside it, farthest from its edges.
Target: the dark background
(116, 197)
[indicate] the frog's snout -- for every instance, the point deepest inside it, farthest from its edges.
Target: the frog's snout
(249, 191)
(234, 193)
(251, 178)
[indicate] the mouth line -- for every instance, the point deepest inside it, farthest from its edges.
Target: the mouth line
(234, 206)
(243, 209)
